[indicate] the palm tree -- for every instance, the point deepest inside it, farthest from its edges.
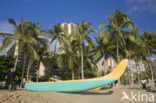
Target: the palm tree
(41, 58)
(88, 53)
(149, 39)
(105, 47)
(28, 52)
(119, 22)
(30, 49)
(68, 57)
(138, 54)
(56, 34)
(17, 37)
(38, 50)
(129, 50)
(84, 31)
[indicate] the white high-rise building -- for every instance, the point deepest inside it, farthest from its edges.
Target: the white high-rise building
(69, 28)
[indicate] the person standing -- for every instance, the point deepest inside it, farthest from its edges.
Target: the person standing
(11, 79)
(143, 82)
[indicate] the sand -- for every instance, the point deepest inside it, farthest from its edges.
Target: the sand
(101, 96)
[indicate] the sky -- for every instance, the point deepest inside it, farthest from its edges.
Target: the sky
(49, 12)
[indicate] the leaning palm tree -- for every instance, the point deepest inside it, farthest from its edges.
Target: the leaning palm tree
(56, 34)
(84, 31)
(17, 37)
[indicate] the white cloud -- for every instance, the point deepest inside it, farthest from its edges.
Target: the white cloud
(141, 6)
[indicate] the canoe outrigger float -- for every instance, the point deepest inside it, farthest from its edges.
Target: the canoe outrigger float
(78, 85)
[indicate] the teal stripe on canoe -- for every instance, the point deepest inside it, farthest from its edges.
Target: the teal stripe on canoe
(66, 86)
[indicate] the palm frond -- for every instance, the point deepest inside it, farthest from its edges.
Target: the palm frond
(7, 41)
(12, 21)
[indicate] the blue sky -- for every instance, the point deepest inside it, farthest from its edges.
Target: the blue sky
(49, 12)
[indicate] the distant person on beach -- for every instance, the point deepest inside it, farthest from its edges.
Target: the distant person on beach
(11, 79)
(143, 82)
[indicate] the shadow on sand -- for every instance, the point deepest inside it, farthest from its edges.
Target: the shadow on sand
(93, 93)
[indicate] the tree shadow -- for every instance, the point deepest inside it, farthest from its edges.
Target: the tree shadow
(93, 93)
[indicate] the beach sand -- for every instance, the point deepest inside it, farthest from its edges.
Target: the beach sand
(101, 96)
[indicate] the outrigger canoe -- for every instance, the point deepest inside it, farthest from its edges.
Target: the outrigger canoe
(78, 85)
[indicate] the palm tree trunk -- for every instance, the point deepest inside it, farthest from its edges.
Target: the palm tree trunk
(73, 74)
(55, 48)
(117, 52)
(23, 70)
(104, 62)
(149, 63)
(138, 69)
(37, 75)
(111, 64)
(152, 73)
(79, 73)
(82, 69)
(15, 65)
(38, 65)
(154, 66)
(112, 68)
(132, 79)
(28, 69)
